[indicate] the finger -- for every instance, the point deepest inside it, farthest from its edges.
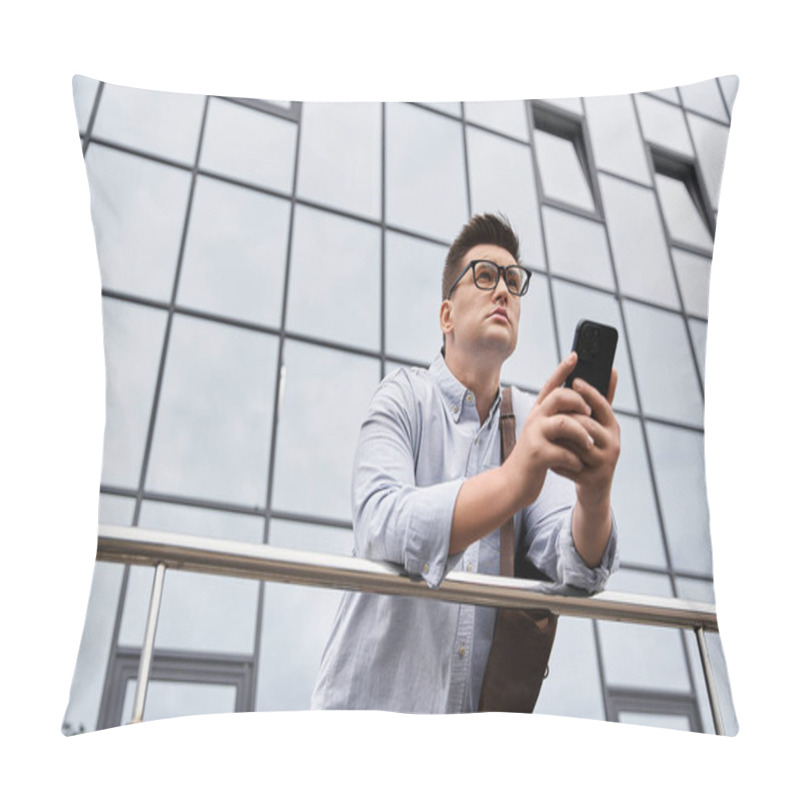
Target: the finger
(564, 461)
(565, 401)
(612, 386)
(565, 429)
(558, 377)
(601, 408)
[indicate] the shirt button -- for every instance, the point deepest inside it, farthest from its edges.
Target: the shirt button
(469, 398)
(462, 651)
(425, 569)
(469, 567)
(455, 409)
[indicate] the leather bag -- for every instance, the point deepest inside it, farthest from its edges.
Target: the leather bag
(522, 638)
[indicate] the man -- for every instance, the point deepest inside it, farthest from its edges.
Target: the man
(430, 492)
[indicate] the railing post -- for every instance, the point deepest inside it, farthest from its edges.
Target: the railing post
(146, 658)
(712, 693)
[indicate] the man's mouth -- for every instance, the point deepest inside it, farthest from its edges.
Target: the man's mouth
(500, 312)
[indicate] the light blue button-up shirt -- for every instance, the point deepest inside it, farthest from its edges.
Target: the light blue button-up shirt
(421, 439)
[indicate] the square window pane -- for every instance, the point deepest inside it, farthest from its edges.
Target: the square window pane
(84, 91)
(138, 211)
(572, 104)
(577, 248)
(729, 84)
(704, 97)
(664, 124)
(340, 156)
(115, 510)
(670, 94)
(447, 107)
(665, 369)
(133, 336)
(638, 242)
(676, 722)
(679, 463)
(506, 116)
(212, 433)
(572, 687)
(615, 137)
(98, 630)
(413, 297)
(711, 140)
(501, 179)
(694, 275)
(235, 257)
(168, 699)
(633, 500)
(204, 522)
(684, 220)
(202, 613)
(334, 284)
(250, 145)
(326, 396)
(536, 356)
(699, 332)
(562, 175)
(297, 622)
(426, 187)
(164, 123)
(574, 303)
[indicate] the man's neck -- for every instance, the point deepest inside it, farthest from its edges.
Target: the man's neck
(480, 376)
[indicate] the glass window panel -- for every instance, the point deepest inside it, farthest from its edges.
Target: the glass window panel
(615, 137)
(577, 248)
(678, 722)
(447, 107)
(501, 179)
(235, 257)
(334, 285)
(297, 622)
(201, 522)
(326, 396)
(536, 356)
(699, 332)
(704, 97)
(572, 104)
(682, 215)
(90, 668)
(711, 140)
(205, 613)
(165, 123)
(340, 156)
(214, 420)
(562, 175)
(115, 510)
(167, 699)
(633, 500)
(679, 463)
(695, 589)
(572, 687)
(730, 87)
(694, 275)
(250, 145)
(574, 303)
(83, 93)
(506, 116)
(413, 297)
(662, 358)
(138, 211)
(425, 182)
(670, 94)
(638, 243)
(664, 124)
(643, 656)
(133, 336)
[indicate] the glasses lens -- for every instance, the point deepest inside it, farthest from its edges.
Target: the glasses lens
(515, 280)
(485, 275)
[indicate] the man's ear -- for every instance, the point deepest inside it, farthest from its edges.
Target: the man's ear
(446, 317)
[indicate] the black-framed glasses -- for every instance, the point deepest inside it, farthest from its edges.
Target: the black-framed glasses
(486, 275)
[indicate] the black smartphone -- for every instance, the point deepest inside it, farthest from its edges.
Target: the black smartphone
(595, 345)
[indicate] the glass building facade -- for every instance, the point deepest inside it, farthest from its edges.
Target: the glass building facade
(264, 264)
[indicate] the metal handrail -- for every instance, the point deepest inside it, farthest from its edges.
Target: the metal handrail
(165, 550)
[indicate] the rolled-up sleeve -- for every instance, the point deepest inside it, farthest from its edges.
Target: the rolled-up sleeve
(393, 518)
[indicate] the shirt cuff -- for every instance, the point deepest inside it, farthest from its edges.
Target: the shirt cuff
(428, 542)
(573, 570)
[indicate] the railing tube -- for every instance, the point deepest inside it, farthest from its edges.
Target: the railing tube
(712, 692)
(146, 658)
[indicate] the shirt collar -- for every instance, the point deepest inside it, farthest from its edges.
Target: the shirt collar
(455, 394)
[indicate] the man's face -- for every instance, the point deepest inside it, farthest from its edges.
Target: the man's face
(481, 320)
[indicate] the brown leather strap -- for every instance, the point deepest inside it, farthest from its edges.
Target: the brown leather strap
(508, 432)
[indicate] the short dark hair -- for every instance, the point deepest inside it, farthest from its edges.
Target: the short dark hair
(481, 229)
